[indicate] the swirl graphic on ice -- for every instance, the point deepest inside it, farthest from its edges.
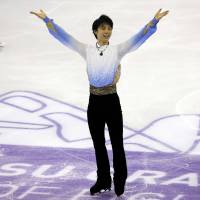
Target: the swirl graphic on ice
(30, 118)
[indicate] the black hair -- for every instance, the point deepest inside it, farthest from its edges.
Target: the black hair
(103, 19)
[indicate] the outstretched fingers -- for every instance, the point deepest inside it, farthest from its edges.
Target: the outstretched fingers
(40, 14)
(158, 11)
(160, 14)
(166, 12)
(36, 14)
(33, 13)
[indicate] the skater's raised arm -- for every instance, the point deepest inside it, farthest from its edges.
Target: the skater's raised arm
(60, 34)
(138, 39)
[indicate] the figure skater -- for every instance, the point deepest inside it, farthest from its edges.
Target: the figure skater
(103, 69)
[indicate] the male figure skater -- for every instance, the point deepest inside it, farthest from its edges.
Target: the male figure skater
(103, 69)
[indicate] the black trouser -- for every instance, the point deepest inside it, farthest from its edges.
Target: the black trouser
(107, 109)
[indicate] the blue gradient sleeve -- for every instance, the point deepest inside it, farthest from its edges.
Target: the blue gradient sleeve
(138, 39)
(65, 38)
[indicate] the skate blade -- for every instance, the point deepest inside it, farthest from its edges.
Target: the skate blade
(101, 191)
(105, 190)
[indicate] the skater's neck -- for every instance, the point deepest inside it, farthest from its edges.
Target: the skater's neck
(102, 43)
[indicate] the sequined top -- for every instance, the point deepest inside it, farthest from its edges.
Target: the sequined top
(102, 70)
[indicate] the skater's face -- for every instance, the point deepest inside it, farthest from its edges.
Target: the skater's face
(104, 33)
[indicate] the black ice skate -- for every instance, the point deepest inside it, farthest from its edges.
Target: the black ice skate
(119, 185)
(101, 184)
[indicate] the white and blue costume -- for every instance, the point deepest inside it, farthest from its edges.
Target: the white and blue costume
(101, 69)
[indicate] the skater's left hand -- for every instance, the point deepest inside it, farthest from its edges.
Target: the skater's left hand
(159, 15)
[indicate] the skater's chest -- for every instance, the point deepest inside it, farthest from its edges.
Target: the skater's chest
(104, 58)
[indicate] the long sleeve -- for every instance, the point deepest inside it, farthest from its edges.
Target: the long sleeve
(138, 39)
(65, 38)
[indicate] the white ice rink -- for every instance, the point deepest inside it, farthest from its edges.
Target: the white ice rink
(44, 90)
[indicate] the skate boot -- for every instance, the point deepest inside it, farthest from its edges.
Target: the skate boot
(119, 184)
(101, 184)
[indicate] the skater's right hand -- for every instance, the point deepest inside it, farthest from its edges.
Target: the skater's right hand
(40, 14)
